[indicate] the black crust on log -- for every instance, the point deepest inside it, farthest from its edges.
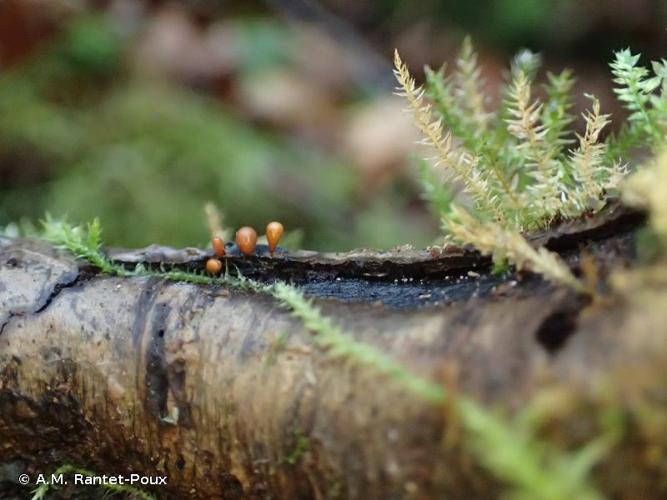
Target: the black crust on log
(403, 277)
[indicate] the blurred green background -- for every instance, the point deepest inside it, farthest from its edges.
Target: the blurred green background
(141, 112)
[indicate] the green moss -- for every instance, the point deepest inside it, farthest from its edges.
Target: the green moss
(517, 163)
(509, 449)
(300, 448)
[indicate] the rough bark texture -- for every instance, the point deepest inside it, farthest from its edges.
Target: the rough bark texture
(227, 395)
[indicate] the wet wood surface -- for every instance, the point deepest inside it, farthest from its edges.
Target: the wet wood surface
(226, 393)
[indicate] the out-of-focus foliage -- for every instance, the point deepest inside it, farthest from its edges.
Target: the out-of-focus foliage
(506, 22)
(145, 155)
(571, 29)
(644, 95)
(648, 189)
(143, 112)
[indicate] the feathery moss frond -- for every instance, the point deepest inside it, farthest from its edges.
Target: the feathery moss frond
(459, 101)
(659, 100)
(555, 113)
(518, 163)
(439, 89)
(587, 160)
(83, 241)
(635, 90)
(454, 158)
(527, 62)
(468, 88)
(338, 343)
(538, 152)
(459, 98)
(492, 239)
(434, 190)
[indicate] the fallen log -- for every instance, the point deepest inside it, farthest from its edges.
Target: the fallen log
(225, 394)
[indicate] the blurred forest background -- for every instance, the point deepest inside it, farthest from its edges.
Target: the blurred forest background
(141, 112)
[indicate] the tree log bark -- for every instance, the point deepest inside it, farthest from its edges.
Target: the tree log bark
(227, 395)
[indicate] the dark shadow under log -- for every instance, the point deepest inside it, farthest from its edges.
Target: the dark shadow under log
(226, 394)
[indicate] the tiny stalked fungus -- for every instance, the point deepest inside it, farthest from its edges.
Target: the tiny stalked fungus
(246, 240)
(218, 247)
(213, 266)
(274, 231)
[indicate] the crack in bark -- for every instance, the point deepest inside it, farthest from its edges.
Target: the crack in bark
(156, 378)
(9, 319)
(57, 289)
(46, 302)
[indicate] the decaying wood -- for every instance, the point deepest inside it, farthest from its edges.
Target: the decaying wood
(227, 395)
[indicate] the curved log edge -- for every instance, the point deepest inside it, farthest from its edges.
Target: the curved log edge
(401, 278)
(225, 393)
